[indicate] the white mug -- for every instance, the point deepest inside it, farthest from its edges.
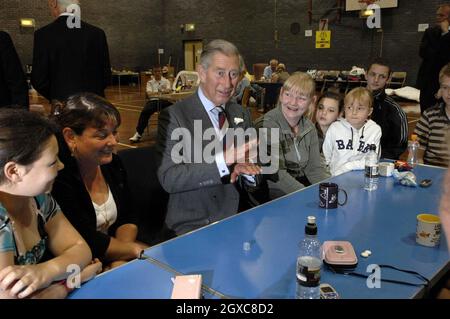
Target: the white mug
(428, 231)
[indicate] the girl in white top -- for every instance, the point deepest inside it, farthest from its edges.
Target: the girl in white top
(347, 140)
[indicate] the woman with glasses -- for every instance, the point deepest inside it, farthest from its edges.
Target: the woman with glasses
(299, 159)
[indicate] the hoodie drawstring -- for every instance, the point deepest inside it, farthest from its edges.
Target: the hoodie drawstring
(362, 133)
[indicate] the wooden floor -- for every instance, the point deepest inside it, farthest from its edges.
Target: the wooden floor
(129, 100)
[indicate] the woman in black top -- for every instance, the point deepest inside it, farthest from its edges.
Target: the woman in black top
(92, 188)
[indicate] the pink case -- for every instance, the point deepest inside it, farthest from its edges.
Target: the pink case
(187, 287)
(339, 253)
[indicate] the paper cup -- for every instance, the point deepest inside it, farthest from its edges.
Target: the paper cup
(385, 168)
(428, 231)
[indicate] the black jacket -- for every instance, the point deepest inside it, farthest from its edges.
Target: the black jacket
(435, 52)
(13, 84)
(68, 61)
(76, 204)
(394, 125)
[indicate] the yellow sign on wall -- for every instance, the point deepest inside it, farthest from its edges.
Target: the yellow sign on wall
(323, 39)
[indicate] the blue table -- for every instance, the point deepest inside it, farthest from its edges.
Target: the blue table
(383, 221)
(138, 279)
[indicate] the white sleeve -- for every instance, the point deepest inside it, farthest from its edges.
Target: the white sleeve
(166, 85)
(377, 141)
(351, 166)
(150, 87)
(221, 165)
(327, 146)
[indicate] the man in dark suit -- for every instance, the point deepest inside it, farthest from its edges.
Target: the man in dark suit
(68, 58)
(205, 186)
(13, 84)
(435, 52)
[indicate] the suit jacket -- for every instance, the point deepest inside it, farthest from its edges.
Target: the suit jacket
(13, 84)
(435, 52)
(76, 203)
(198, 195)
(68, 61)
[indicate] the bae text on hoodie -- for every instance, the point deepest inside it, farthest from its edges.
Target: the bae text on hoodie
(345, 147)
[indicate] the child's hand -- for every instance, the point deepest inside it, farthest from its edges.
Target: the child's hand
(94, 268)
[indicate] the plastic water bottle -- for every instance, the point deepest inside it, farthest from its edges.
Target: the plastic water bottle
(371, 169)
(413, 147)
(309, 262)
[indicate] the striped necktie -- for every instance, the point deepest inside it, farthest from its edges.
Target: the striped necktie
(222, 116)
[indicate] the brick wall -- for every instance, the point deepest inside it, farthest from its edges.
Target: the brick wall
(136, 31)
(250, 25)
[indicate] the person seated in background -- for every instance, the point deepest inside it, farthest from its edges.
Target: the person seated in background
(280, 75)
(243, 83)
(256, 91)
(167, 75)
(386, 112)
(165, 72)
(348, 140)
(329, 109)
(156, 86)
(92, 188)
(37, 243)
(434, 124)
(270, 69)
(299, 157)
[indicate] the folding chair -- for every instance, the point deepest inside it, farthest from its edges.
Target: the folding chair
(186, 79)
(396, 80)
(245, 97)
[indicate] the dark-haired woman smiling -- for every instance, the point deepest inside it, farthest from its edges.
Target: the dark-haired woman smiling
(92, 188)
(37, 243)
